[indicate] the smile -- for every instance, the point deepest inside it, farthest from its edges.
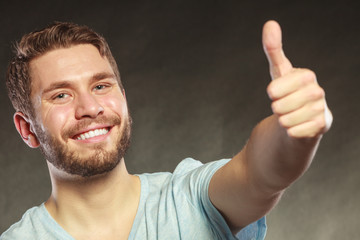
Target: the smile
(93, 133)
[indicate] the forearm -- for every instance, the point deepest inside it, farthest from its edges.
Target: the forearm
(273, 159)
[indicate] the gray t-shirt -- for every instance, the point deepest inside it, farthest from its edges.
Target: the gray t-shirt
(172, 206)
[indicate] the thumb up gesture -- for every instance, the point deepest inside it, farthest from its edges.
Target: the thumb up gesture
(297, 99)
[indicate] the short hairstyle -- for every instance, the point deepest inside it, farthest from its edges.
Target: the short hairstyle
(35, 44)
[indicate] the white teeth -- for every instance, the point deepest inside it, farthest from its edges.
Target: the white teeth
(92, 133)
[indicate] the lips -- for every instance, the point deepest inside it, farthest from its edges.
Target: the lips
(90, 129)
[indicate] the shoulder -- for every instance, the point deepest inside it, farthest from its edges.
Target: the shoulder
(36, 223)
(193, 172)
(23, 228)
(187, 170)
(188, 183)
(189, 164)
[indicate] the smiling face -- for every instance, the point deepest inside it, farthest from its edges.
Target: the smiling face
(82, 120)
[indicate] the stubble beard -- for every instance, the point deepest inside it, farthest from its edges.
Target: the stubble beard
(99, 162)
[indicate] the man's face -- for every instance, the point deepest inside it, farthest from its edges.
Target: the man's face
(82, 119)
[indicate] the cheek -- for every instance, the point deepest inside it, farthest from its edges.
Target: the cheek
(55, 118)
(116, 104)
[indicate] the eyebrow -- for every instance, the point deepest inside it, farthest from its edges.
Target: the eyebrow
(66, 83)
(102, 75)
(57, 85)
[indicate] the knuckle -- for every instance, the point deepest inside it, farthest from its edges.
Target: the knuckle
(319, 92)
(316, 92)
(308, 76)
(320, 124)
(318, 108)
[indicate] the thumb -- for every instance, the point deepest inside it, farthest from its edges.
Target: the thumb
(272, 43)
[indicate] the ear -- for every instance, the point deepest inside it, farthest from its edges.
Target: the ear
(23, 126)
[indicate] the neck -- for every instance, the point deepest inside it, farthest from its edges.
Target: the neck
(102, 202)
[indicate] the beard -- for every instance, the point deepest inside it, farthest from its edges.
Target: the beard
(99, 162)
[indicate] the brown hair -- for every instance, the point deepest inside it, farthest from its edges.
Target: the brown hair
(37, 43)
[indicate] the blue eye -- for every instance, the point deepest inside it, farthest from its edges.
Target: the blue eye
(62, 95)
(61, 98)
(99, 87)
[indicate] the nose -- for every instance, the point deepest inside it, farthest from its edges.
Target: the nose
(87, 106)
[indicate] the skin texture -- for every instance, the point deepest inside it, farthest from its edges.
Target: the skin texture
(68, 100)
(280, 148)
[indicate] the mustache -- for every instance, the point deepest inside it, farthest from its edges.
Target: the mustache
(84, 123)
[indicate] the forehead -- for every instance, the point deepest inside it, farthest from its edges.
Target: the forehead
(67, 64)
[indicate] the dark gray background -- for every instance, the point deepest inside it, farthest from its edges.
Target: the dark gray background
(195, 76)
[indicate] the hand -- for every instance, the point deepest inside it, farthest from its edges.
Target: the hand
(297, 99)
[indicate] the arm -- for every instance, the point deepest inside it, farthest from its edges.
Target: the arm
(280, 148)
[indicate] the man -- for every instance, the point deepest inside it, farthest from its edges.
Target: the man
(69, 101)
